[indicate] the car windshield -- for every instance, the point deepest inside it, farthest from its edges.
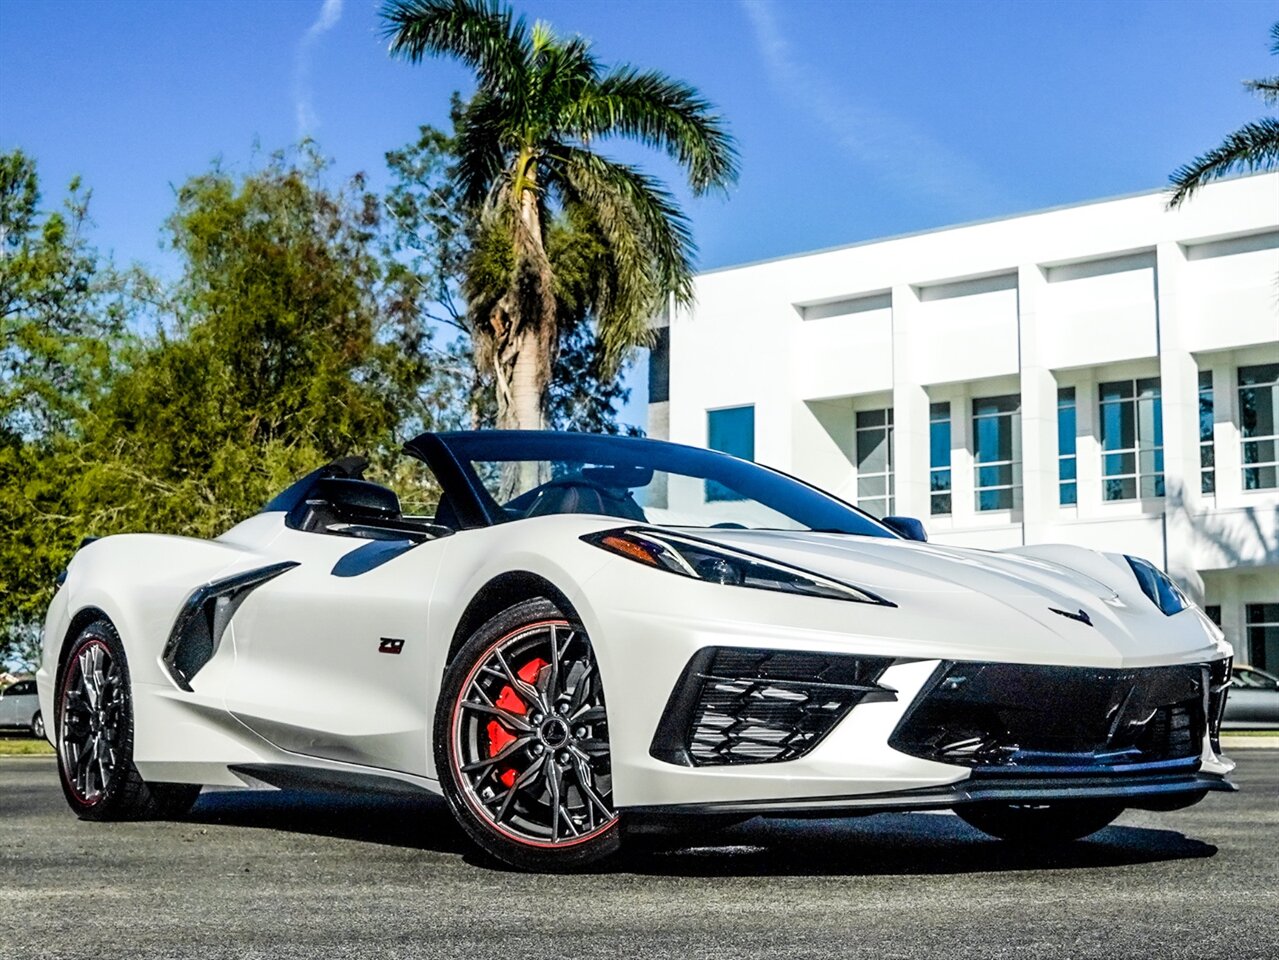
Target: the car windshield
(648, 481)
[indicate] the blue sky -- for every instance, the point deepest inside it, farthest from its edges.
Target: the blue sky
(855, 119)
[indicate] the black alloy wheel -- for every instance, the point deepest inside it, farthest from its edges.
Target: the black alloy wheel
(522, 741)
(94, 733)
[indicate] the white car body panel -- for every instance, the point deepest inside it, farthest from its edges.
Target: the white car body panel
(299, 678)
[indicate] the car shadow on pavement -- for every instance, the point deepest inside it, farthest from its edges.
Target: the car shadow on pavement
(897, 844)
(880, 845)
(413, 821)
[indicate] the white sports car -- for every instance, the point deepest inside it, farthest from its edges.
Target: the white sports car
(593, 630)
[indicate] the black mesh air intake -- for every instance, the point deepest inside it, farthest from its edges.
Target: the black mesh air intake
(1024, 717)
(738, 705)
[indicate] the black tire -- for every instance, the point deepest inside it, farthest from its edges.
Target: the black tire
(37, 726)
(95, 719)
(536, 792)
(1040, 824)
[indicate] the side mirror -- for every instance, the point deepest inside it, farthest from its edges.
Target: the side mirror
(357, 499)
(908, 527)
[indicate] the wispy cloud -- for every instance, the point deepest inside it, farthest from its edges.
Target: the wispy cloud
(897, 150)
(330, 13)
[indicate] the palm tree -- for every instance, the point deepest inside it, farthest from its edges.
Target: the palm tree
(1254, 146)
(526, 165)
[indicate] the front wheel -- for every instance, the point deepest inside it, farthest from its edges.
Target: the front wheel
(37, 726)
(521, 741)
(1045, 824)
(95, 737)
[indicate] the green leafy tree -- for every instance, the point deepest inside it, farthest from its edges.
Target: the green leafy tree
(287, 347)
(285, 342)
(1254, 146)
(61, 316)
(526, 165)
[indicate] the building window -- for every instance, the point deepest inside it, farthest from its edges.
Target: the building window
(1067, 481)
(1262, 621)
(1213, 612)
(1258, 405)
(939, 458)
(730, 431)
(1207, 454)
(997, 452)
(875, 461)
(1132, 439)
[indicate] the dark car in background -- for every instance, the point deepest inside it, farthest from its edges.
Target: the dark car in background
(1253, 702)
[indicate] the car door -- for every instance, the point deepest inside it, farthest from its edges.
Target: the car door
(7, 708)
(330, 657)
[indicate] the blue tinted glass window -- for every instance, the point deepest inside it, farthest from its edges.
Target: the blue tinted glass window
(1131, 439)
(997, 452)
(730, 431)
(1067, 491)
(939, 458)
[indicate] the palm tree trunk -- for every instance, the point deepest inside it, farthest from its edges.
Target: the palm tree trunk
(525, 341)
(528, 382)
(524, 356)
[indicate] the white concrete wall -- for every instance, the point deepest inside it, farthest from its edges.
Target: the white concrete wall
(1068, 297)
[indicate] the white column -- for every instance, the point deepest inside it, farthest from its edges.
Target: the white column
(1038, 413)
(1088, 445)
(1226, 438)
(910, 408)
(1179, 389)
(962, 482)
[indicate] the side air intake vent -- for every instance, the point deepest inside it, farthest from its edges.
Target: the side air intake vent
(737, 705)
(203, 619)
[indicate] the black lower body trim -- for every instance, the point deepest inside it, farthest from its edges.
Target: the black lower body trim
(1134, 790)
(298, 777)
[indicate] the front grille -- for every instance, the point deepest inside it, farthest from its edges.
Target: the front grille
(1017, 716)
(738, 705)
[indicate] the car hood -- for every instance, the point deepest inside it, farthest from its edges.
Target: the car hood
(1078, 598)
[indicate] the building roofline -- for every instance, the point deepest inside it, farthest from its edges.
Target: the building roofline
(962, 225)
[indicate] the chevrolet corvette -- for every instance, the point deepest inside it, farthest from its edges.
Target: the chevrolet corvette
(581, 632)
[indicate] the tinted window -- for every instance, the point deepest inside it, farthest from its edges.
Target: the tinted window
(532, 474)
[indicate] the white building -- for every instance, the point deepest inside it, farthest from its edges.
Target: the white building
(1105, 374)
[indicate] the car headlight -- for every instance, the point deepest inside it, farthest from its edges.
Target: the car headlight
(1158, 586)
(690, 557)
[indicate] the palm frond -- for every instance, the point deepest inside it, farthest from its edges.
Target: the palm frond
(663, 113)
(482, 129)
(1254, 146)
(648, 239)
(483, 34)
(561, 72)
(1267, 88)
(1274, 38)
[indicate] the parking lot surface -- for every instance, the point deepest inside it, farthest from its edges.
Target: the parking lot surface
(276, 875)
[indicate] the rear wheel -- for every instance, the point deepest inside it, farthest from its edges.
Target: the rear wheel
(521, 741)
(95, 737)
(37, 726)
(1048, 823)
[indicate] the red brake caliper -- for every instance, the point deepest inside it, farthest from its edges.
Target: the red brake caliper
(499, 736)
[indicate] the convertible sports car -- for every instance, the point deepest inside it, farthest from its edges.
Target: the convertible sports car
(589, 631)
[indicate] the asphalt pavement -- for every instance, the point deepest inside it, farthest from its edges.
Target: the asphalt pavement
(281, 875)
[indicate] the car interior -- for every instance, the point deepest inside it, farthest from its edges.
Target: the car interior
(354, 507)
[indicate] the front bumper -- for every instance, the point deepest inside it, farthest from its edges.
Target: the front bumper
(647, 648)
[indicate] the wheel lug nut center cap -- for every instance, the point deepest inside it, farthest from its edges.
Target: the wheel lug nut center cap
(553, 732)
